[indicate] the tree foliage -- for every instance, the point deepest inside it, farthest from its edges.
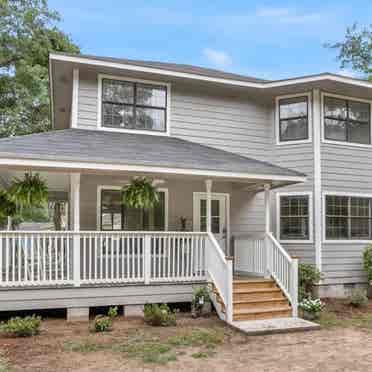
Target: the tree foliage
(356, 50)
(28, 33)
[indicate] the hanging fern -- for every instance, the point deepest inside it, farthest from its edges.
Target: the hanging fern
(31, 191)
(140, 194)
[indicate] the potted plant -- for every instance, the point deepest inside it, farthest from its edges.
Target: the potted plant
(311, 308)
(201, 302)
(140, 193)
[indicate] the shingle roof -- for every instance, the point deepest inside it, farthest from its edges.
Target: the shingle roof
(132, 149)
(177, 67)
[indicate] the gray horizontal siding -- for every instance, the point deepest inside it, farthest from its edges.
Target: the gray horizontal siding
(87, 100)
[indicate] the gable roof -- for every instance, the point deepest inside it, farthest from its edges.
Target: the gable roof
(127, 149)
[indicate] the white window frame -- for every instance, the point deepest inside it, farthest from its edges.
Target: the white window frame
(309, 119)
(138, 131)
(344, 143)
(311, 226)
(341, 241)
(116, 187)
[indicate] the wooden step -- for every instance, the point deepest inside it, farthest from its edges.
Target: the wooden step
(255, 314)
(257, 294)
(271, 303)
(254, 284)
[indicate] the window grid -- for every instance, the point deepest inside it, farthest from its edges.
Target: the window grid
(132, 108)
(294, 217)
(347, 121)
(348, 217)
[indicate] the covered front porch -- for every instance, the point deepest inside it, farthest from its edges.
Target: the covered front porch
(212, 221)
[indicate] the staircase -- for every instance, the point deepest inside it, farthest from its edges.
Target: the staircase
(259, 299)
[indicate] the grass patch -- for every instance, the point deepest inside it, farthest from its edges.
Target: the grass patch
(209, 338)
(202, 354)
(81, 346)
(4, 365)
(330, 319)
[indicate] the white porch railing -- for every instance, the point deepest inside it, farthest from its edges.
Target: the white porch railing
(264, 256)
(220, 272)
(74, 258)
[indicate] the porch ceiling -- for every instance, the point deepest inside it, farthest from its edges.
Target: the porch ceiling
(82, 150)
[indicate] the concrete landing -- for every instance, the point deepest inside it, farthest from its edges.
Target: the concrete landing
(276, 325)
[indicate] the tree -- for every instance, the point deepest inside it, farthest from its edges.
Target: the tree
(28, 33)
(356, 50)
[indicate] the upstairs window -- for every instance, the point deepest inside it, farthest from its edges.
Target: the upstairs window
(293, 119)
(294, 217)
(346, 120)
(137, 106)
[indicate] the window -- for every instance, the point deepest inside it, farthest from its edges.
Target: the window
(293, 119)
(215, 215)
(128, 105)
(348, 217)
(294, 217)
(115, 216)
(346, 120)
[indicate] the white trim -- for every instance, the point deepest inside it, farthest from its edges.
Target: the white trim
(164, 72)
(295, 193)
(143, 168)
(75, 200)
(51, 95)
(214, 195)
(341, 241)
(75, 98)
(344, 143)
(309, 119)
(317, 207)
(124, 78)
(116, 187)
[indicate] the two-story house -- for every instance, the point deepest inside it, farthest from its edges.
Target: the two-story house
(252, 176)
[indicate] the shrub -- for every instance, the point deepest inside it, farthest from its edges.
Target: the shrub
(308, 276)
(199, 300)
(102, 323)
(22, 327)
(159, 315)
(311, 306)
(367, 262)
(358, 297)
(112, 312)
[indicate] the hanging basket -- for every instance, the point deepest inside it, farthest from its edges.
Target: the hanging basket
(140, 194)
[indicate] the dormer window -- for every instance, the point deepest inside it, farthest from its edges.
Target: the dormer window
(133, 106)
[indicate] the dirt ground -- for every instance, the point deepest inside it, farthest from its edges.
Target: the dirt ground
(72, 347)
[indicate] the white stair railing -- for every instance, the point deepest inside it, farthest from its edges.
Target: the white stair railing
(283, 269)
(220, 273)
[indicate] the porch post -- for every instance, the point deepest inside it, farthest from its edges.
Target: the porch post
(75, 226)
(208, 185)
(267, 230)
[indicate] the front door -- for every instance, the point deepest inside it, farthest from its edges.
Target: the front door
(219, 217)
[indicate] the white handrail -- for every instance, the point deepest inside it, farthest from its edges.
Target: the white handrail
(220, 272)
(284, 269)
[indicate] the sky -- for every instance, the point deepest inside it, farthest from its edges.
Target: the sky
(264, 39)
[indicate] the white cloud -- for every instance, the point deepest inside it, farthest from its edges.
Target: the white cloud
(217, 58)
(287, 15)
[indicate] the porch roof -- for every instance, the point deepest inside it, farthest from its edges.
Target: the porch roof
(96, 149)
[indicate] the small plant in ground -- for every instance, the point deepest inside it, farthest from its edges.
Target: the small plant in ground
(150, 352)
(311, 308)
(103, 323)
(358, 297)
(81, 347)
(367, 262)
(200, 301)
(22, 327)
(308, 276)
(202, 355)
(159, 315)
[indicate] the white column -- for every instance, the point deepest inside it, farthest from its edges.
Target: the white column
(75, 98)
(267, 230)
(75, 225)
(267, 209)
(208, 185)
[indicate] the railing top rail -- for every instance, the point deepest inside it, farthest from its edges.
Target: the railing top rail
(217, 247)
(281, 249)
(68, 232)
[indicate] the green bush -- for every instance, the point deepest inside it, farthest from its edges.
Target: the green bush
(22, 327)
(103, 323)
(358, 297)
(159, 315)
(199, 300)
(367, 262)
(308, 276)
